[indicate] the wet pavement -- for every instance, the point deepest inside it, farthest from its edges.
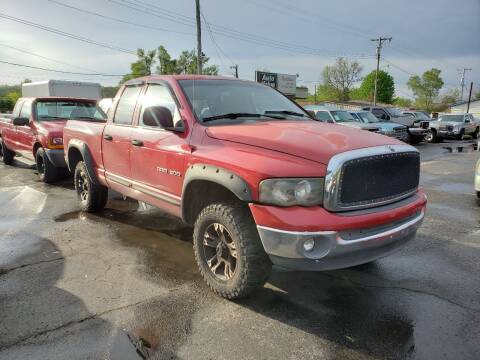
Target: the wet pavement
(123, 284)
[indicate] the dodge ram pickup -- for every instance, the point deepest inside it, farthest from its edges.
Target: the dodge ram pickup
(260, 181)
(35, 131)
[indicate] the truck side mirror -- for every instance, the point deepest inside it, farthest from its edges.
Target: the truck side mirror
(158, 116)
(21, 121)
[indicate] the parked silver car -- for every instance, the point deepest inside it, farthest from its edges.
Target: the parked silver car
(387, 128)
(340, 117)
(453, 126)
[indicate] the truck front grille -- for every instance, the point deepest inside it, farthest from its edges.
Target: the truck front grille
(425, 124)
(385, 175)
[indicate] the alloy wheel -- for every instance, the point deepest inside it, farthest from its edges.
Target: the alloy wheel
(220, 251)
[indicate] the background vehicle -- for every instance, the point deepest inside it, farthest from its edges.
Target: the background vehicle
(453, 126)
(340, 117)
(417, 129)
(388, 128)
(62, 88)
(257, 178)
(35, 131)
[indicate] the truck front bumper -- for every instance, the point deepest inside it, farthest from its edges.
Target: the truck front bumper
(347, 245)
(56, 157)
(417, 132)
(448, 134)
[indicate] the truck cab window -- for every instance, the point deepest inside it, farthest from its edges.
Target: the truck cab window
(159, 95)
(26, 109)
(126, 105)
(323, 116)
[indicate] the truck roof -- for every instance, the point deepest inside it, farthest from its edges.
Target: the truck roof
(181, 77)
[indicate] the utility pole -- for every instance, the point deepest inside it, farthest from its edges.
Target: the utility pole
(315, 94)
(379, 42)
(199, 39)
(236, 69)
(462, 81)
(470, 97)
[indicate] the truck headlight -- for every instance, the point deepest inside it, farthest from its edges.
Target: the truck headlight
(292, 191)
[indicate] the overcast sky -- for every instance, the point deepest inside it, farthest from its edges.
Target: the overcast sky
(293, 37)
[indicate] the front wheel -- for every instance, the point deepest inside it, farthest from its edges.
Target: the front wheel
(47, 172)
(229, 252)
(92, 197)
(431, 136)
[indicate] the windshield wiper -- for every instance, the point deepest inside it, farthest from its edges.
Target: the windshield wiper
(230, 116)
(284, 112)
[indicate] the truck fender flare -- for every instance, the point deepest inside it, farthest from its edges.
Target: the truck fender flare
(220, 176)
(86, 156)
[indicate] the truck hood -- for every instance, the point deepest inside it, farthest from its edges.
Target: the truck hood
(51, 128)
(404, 120)
(359, 125)
(311, 140)
(388, 126)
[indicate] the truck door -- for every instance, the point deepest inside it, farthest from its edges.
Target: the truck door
(116, 137)
(9, 133)
(25, 136)
(158, 155)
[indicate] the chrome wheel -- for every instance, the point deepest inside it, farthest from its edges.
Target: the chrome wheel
(220, 251)
(429, 136)
(82, 185)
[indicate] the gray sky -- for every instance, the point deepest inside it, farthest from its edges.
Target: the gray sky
(279, 35)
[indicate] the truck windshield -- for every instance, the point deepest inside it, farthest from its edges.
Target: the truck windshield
(394, 112)
(422, 116)
(454, 118)
(68, 110)
(368, 117)
(342, 116)
(233, 100)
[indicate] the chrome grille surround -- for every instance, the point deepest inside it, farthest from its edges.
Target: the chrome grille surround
(333, 178)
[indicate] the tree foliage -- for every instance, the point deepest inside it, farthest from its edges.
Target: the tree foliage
(426, 88)
(341, 76)
(385, 87)
(166, 65)
(402, 102)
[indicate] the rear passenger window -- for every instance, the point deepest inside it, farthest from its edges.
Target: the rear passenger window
(126, 105)
(26, 109)
(378, 112)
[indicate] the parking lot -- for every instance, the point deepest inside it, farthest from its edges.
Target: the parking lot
(124, 285)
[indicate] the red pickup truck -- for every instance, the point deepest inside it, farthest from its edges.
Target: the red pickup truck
(35, 131)
(259, 180)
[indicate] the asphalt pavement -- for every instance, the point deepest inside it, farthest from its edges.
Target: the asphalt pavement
(123, 284)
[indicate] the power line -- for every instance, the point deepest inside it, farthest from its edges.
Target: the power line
(63, 33)
(44, 57)
(58, 71)
(157, 11)
(118, 20)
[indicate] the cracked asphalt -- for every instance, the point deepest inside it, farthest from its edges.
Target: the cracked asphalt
(123, 284)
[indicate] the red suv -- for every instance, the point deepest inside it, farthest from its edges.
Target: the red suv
(259, 180)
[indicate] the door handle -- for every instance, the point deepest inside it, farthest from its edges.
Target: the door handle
(137, 143)
(108, 137)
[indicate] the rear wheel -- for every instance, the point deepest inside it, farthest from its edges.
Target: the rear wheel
(47, 172)
(7, 154)
(92, 197)
(229, 252)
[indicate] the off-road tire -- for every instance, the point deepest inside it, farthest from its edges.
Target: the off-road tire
(8, 154)
(47, 172)
(414, 140)
(92, 197)
(253, 266)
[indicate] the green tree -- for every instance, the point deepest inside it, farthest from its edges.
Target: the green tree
(326, 93)
(385, 87)
(402, 102)
(109, 91)
(187, 62)
(341, 76)
(141, 67)
(426, 88)
(166, 65)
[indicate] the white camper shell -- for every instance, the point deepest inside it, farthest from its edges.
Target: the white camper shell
(62, 88)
